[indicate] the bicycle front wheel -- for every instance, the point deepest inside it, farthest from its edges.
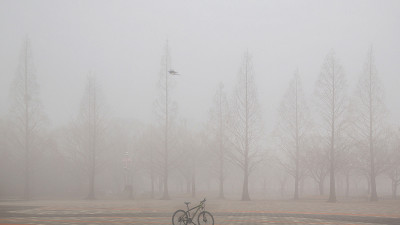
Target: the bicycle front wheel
(205, 218)
(179, 218)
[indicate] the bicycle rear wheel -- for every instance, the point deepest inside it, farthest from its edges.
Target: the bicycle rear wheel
(179, 218)
(205, 218)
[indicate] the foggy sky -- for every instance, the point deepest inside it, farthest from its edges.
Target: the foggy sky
(122, 42)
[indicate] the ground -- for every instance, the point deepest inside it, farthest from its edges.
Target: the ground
(224, 211)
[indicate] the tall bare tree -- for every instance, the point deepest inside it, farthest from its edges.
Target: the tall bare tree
(370, 116)
(87, 140)
(26, 112)
(291, 129)
(316, 161)
(246, 127)
(330, 91)
(393, 167)
(4, 155)
(217, 125)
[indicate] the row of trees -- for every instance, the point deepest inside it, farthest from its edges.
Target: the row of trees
(339, 133)
(349, 132)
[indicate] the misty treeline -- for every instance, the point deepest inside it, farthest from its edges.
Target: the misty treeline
(338, 142)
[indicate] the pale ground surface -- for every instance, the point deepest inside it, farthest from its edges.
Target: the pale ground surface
(224, 211)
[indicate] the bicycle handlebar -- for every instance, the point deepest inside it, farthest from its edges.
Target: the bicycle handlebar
(203, 200)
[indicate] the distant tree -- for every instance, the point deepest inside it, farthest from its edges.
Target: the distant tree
(317, 161)
(149, 155)
(27, 115)
(370, 116)
(3, 139)
(87, 135)
(330, 91)
(217, 126)
(188, 148)
(4, 155)
(246, 127)
(281, 177)
(347, 153)
(393, 165)
(291, 129)
(347, 164)
(166, 111)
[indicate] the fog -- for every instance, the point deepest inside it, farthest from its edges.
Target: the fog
(83, 96)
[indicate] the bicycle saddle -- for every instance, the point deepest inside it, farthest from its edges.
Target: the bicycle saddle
(187, 203)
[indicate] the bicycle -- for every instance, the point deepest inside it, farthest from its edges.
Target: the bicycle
(182, 217)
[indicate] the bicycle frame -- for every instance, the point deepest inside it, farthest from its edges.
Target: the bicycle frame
(198, 207)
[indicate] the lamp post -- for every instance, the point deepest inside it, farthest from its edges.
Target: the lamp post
(127, 163)
(170, 72)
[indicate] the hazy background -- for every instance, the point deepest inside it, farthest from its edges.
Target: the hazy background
(122, 43)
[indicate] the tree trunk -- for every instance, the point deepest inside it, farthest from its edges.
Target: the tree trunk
(165, 182)
(91, 176)
(221, 188)
(27, 194)
(221, 153)
(368, 185)
(282, 187)
(394, 189)
(347, 183)
(27, 189)
(160, 184)
(296, 182)
(91, 185)
(92, 138)
(187, 186)
(245, 193)
(221, 178)
(321, 187)
(194, 185)
(374, 194)
(152, 187)
(91, 188)
(301, 182)
(332, 191)
(296, 178)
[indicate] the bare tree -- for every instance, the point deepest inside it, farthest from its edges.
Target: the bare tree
(217, 125)
(189, 150)
(4, 155)
(166, 111)
(246, 127)
(330, 90)
(347, 165)
(26, 113)
(317, 161)
(393, 167)
(149, 155)
(291, 129)
(87, 138)
(370, 116)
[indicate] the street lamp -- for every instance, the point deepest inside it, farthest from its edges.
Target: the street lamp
(173, 72)
(127, 163)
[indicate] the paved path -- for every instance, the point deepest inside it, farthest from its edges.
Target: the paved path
(225, 212)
